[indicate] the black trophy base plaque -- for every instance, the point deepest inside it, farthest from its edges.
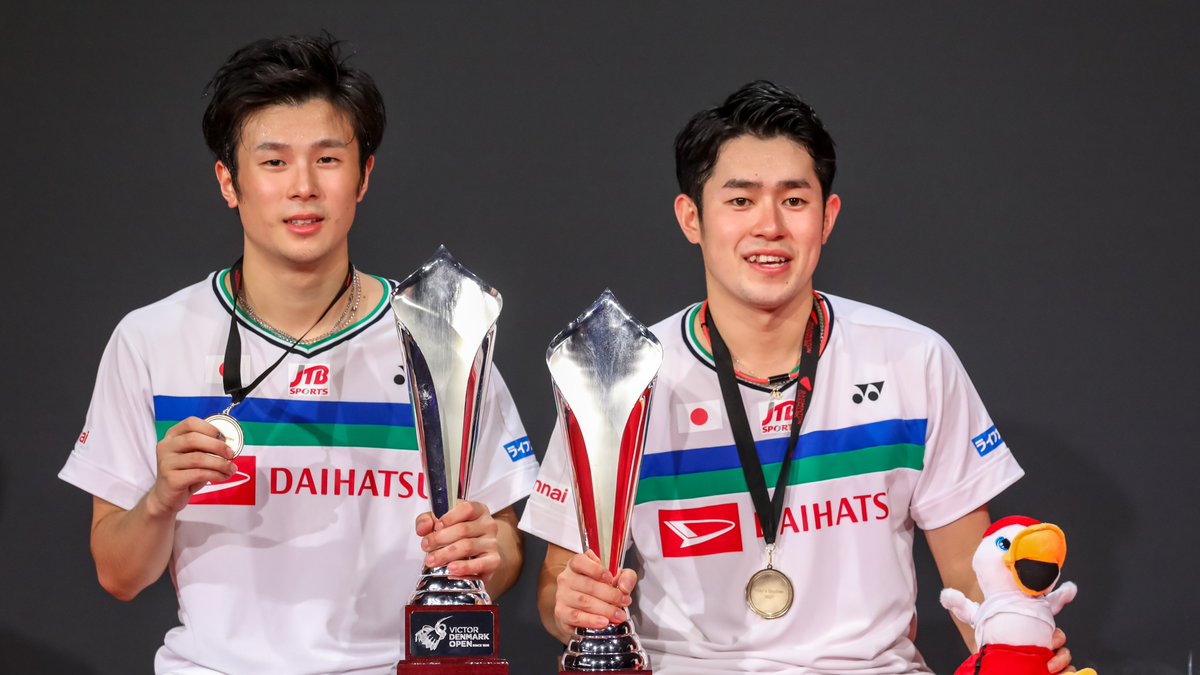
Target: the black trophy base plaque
(451, 640)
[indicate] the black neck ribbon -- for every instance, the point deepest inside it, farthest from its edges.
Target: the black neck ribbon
(232, 377)
(769, 508)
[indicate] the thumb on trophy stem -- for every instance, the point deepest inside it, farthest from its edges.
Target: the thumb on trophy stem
(626, 580)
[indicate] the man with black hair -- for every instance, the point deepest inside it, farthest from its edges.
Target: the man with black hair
(860, 424)
(296, 554)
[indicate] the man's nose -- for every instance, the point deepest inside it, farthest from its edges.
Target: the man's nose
(304, 182)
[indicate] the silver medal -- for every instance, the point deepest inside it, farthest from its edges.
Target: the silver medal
(230, 430)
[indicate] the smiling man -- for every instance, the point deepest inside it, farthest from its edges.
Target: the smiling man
(795, 440)
(294, 523)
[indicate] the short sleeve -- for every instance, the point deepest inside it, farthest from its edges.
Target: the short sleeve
(114, 457)
(550, 513)
(505, 466)
(967, 462)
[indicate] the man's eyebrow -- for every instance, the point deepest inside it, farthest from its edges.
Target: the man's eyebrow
(323, 143)
(330, 143)
(742, 183)
(789, 184)
(795, 184)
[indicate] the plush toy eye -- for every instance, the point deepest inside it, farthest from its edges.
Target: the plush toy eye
(1003, 543)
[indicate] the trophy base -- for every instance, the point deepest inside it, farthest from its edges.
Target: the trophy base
(614, 649)
(453, 667)
(451, 639)
(647, 671)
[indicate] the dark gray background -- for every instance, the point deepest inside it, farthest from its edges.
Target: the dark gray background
(1014, 175)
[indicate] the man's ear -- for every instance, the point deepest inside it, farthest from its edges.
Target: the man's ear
(228, 189)
(362, 187)
(833, 206)
(688, 216)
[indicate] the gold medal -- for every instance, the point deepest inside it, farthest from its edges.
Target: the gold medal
(230, 431)
(769, 593)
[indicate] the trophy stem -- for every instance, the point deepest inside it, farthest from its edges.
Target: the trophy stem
(438, 588)
(614, 649)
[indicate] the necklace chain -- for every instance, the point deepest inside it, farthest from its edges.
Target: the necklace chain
(349, 313)
(776, 384)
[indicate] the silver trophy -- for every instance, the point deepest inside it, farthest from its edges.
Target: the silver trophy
(447, 321)
(603, 366)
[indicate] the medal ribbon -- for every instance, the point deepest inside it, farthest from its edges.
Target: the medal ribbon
(232, 377)
(768, 508)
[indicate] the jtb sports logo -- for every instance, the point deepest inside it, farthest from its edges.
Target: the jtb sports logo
(519, 449)
(237, 491)
(708, 530)
(309, 380)
(777, 416)
(987, 441)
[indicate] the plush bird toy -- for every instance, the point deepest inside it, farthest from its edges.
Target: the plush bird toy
(1017, 563)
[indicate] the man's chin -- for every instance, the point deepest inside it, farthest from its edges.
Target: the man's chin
(302, 260)
(774, 301)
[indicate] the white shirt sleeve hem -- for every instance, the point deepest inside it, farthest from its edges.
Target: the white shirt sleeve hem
(968, 496)
(85, 475)
(507, 489)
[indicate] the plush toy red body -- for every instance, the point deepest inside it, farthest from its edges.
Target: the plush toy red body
(1017, 564)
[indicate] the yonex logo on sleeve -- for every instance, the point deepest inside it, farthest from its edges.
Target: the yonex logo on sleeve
(987, 441)
(519, 449)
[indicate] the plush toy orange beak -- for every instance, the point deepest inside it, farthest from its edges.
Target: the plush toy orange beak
(1036, 558)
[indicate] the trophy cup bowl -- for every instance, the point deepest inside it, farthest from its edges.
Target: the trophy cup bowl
(446, 317)
(603, 367)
